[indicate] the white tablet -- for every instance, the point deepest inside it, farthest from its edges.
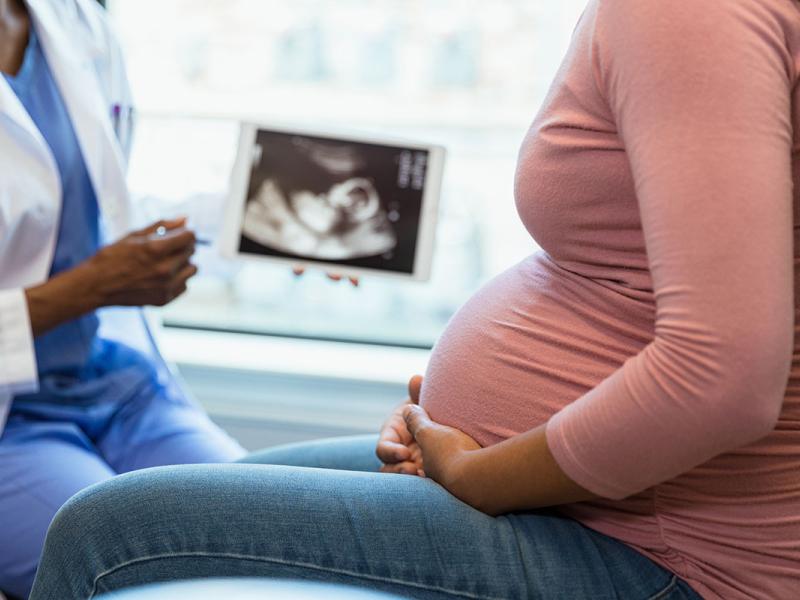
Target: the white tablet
(352, 205)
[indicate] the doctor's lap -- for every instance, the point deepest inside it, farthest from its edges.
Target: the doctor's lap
(56, 444)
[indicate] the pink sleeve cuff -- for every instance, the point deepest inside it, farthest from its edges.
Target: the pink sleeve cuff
(562, 446)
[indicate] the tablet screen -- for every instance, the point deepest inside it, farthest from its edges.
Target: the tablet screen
(358, 204)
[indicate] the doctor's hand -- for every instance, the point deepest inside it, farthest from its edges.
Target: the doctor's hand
(147, 267)
(150, 266)
(396, 447)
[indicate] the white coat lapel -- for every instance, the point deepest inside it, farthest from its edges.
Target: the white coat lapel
(77, 81)
(28, 134)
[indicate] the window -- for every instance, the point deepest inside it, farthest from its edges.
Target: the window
(467, 74)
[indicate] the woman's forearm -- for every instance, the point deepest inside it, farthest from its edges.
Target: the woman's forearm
(519, 473)
(62, 298)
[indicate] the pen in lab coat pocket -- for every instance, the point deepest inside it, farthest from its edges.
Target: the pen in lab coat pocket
(122, 122)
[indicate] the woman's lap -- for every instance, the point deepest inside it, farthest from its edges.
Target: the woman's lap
(396, 533)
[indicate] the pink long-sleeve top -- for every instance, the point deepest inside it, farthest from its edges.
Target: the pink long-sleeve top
(655, 332)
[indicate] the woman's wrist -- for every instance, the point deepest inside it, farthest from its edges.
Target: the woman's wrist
(473, 481)
(520, 473)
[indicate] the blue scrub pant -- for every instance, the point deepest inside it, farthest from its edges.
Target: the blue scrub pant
(51, 450)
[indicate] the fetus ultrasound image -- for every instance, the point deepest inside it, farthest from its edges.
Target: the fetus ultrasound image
(322, 199)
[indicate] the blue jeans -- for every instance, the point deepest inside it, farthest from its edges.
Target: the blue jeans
(340, 522)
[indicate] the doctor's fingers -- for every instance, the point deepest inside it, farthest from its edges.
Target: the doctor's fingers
(176, 286)
(162, 292)
(179, 281)
(187, 272)
(166, 224)
(168, 267)
(172, 242)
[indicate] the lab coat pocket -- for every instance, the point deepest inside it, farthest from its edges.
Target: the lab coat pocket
(28, 223)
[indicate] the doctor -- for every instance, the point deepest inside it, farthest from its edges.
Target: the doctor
(84, 394)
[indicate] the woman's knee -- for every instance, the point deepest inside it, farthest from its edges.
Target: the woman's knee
(100, 512)
(74, 539)
(105, 525)
(81, 514)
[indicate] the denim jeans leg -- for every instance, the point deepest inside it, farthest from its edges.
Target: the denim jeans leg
(395, 533)
(351, 453)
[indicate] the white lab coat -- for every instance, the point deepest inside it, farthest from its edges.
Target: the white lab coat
(87, 66)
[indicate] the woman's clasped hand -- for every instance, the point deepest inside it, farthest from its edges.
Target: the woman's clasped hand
(411, 443)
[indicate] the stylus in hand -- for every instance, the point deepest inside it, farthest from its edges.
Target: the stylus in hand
(162, 231)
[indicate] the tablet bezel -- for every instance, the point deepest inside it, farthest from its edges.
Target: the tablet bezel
(240, 179)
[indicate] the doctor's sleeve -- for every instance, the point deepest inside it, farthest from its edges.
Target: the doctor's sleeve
(700, 93)
(18, 372)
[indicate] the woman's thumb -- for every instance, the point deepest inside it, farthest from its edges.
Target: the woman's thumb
(414, 388)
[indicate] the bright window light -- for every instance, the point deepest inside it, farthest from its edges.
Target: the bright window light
(466, 74)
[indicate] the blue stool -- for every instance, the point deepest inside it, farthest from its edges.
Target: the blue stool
(246, 589)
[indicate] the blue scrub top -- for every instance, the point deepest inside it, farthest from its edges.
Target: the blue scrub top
(72, 358)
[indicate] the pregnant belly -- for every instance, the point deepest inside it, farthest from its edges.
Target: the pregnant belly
(531, 341)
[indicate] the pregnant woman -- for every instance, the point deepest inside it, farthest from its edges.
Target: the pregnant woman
(610, 418)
